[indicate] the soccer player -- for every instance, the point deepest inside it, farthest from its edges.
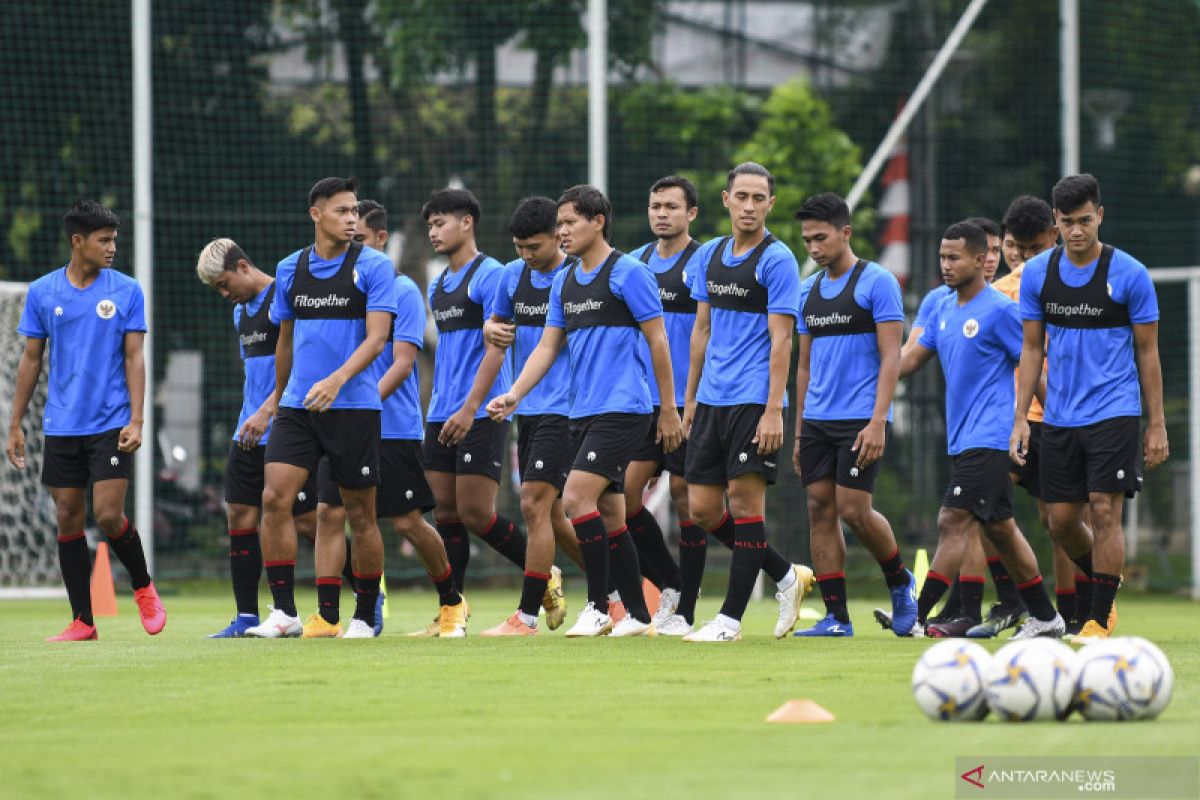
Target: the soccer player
(603, 306)
(403, 495)
(746, 293)
(851, 323)
(224, 266)
(1090, 309)
(976, 335)
(94, 320)
(334, 301)
(519, 317)
(464, 449)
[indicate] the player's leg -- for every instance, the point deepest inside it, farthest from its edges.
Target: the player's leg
(693, 552)
(564, 534)
(478, 461)
(108, 507)
(329, 552)
(74, 558)
(970, 576)
(581, 496)
(954, 528)
(243, 509)
(658, 566)
(282, 481)
(706, 506)
(875, 532)
(1108, 555)
(537, 502)
(1019, 558)
(439, 462)
(368, 557)
(624, 567)
(818, 472)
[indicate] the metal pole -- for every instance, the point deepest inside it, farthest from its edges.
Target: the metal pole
(143, 266)
(1194, 424)
(597, 24)
(1068, 84)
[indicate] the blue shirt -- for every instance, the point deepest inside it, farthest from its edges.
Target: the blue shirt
(459, 353)
(553, 394)
(679, 327)
(1091, 375)
(259, 382)
(979, 345)
(606, 375)
(738, 359)
(87, 392)
(931, 299)
(322, 346)
(844, 370)
(401, 412)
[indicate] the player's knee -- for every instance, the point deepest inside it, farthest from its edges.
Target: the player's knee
(276, 502)
(577, 504)
(475, 515)
(533, 506)
(950, 524)
(110, 521)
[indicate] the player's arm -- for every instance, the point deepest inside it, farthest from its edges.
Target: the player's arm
(28, 370)
(701, 332)
(536, 366)
(1154, 442)
(670, 428)
(769, 434)
(283, 363)
(130, 438)
(872, 439)
(803, 374)
(1029, 373)
(455, 429)
(499, 332)
(913, 358)
(914, 336)
(322, 394)
(404, 357)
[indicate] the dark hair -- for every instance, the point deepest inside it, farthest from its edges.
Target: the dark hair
(1074, 192)
(989, 225)
(590, 202)
(328, 187)
(751, 168)
(825, 207)
(88, 216)
(972, 235)
(532, 216)
(373, 214)
(1027, 217)
(459, 202)
(690, 195)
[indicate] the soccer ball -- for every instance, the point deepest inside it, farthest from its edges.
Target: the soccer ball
(1031, 680)
(947, 681)
(1125, 678)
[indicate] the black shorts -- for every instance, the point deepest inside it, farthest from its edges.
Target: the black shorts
(979, 483)
(825, 453)
(650, 450)
(349, 436)
(244, 480)
(76, 462)
(402, 486)
(720, 447)
(605, 443)
(481, 452)
(1029, 477)
(544, 448)
(1103, 457)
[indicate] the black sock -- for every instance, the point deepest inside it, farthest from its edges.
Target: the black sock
(653, 554)
(893, 571)
(447, 593)
(458, 549)
(348, 567)
(1006, 587)
(1083, 599)
(1033, 595)
(128, 548)
(245, 567)
(952, 608)
(723, 533)
(935, 586)
(503, 536)
(281, 577)
(833, 592)
(1064, 600)
(1084, 562)
(533, 589)
(693, 551)
(329, 592)
(1104, 593)
(971, 597)
(775, 565)
(75, 561)
(749, 550)
(623, 565)
(366, 589)
(593, 545)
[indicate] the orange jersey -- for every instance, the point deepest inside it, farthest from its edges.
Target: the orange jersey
(1010, 286)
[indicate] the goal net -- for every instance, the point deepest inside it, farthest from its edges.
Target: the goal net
(28, 553)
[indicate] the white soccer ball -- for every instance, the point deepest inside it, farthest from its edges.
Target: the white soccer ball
(947, 681)
(1032, 680)
(1125, 678)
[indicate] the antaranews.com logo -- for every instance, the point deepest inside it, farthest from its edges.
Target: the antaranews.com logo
(1067, 776)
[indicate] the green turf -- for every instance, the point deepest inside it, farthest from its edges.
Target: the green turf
(182, 716)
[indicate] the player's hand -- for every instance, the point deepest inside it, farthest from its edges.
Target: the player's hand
(796, 457)
(869, 444)
(1154, 445)
(769, 434)
(499, 334)
(1018, 442)
(130, 438)
(670, 429)
(15, 449)
(501, 406)
(689, 416)
(253, 429)
(322, 394)
(455, 429)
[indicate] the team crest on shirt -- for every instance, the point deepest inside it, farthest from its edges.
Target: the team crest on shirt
(970, 328)
(105, 309)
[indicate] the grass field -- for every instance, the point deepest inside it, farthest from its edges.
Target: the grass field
(183, 716)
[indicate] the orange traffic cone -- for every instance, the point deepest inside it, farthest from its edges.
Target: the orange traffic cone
(104, 595)
(651, 593)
